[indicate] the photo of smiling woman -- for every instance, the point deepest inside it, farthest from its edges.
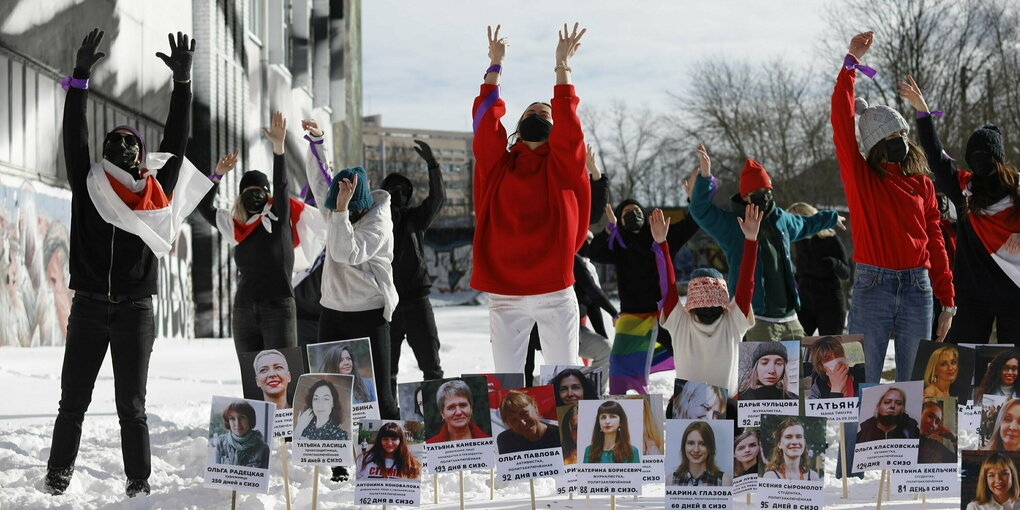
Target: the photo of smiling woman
(1000, 376)
(1006, 434)
(790, 458)
(570, 385)
(389, 455)
(271, 375)
(526, 428)
(347, 357)
(746, 453)
(451, 410)
(234, 435)
(698, 457)
(611, 437)
(323, 412)
(995, 486)
(764, 365)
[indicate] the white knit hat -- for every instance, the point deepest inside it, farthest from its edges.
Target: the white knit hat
(876, 123)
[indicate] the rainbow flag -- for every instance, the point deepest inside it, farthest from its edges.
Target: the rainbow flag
(636, 353)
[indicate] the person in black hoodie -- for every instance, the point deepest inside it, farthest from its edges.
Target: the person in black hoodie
(821, 264)
(113, 271)
(413, 316)
(259, 224)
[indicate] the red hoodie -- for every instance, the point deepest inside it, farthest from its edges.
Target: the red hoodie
(894, 220)
(531, 206)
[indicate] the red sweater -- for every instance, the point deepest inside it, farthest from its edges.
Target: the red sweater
(895, 219)
(531, 206)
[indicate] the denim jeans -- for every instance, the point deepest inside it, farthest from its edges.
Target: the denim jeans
(886, 303)
(128, 329)
(260, 324)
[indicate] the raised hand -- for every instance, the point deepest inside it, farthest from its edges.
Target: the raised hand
(841, 222)
(425, 151)
(226, 163)
(277, 132)
(346, 192)
(1012, 244)
(610, 215)
(689, 184)
(861, 43)
(181, 54)
(659, 224)
(312, 127)
(705, 163)
(304, 420)
(751, 222)
(497, 46)
(838, 378)
(87, 55)
(592, 164)
(912, 93)
(569, 43)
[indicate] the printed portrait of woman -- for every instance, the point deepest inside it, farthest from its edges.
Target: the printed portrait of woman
(997, 484)
(890, 419)
(766, 377)
(323, 416)
(568, 433)
(610, 438)
(1000, 378)
(455, 404)
(571, 386)
(389, 456)
(272, 375)
(698, 459)
(746, 453)
(832, 376)
(1006, 433)
(525, 428)
(242, 444)
(941, 371)
(340, 359)
(790, 459)
(699, 401)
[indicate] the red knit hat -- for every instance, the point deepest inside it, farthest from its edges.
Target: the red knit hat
(753, 177)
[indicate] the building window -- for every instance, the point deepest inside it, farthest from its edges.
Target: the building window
(256, 15)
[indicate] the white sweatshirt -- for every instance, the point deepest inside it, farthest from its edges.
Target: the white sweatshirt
(357, 274)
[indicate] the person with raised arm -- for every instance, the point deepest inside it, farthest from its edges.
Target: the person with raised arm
(986, 273)
(126, 213)
(532, 211)
(897, 237)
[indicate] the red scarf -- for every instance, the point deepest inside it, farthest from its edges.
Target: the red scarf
(243, 230)
(149, 199)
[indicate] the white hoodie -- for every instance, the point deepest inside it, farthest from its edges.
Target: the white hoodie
(357, 274)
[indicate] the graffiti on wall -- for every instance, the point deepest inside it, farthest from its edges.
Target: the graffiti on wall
(448, 259)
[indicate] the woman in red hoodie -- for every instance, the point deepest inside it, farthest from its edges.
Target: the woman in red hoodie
(895, 225)
(531, 213)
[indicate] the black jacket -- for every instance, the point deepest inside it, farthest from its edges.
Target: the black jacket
(264, 260)
(409, 225)
(103, 258)
(977, 278)
(821, 263)
(637, 276)
(905, 429)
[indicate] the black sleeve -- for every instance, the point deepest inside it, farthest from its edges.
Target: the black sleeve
(598, 249)
(281, 197)
(175, 135)
(681, 232)
(426, 212)
(205, 207)
(76, 135)
(939, 162)
(599, 195)
(842, 264)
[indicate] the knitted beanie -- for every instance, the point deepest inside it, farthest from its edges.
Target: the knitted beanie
(769, 348)
(987, 138)
(707, 288)
(362, 198)
(754, 177)
(254, 178)
(876, 123)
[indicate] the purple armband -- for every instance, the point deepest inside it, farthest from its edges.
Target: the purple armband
(494, 68)
(937, 113)
(78, 83)
(614, 235)
(850, 63)
(215, 178)
(660, 263)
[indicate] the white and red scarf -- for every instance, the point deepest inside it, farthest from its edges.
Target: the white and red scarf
(140, 206)
(993, 226)
(308, 229)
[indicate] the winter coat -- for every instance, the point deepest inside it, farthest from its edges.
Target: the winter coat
(409, 225)
(821, 263)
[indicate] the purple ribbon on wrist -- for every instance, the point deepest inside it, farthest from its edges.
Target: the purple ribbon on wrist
(78, 83)
(215, 178)
(614, 234)
(850, 63)
(494, 68)
(937, 113)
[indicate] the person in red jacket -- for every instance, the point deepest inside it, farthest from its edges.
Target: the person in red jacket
(531, 213)
(896, 232)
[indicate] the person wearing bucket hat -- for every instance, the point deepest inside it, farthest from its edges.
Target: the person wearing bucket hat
(776, 300)
(358, 292)
(897, 236)
(710, 325)
(766, 377)
(126, 213)
(986, 272)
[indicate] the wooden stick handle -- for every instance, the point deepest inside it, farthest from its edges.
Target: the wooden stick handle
(461, 490)
(315, 488)
(286, 472)
(842, 455)
(435, 488)
(233, 500)
(531, 484)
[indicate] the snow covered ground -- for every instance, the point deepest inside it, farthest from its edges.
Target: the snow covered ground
(185, 374)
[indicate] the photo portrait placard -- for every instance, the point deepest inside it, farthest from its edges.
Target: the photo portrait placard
(988, 479)
(792, 474)
(411, 401)
(322, 420)
(937, 453)
(387, 472)
(888, 432)
(699, 464)
(353, 358)
(653, 448)
(238, 455)
(271, 375)
(568, 482)
(529, 444)
(769, 382)
(832, 373)
(946, 369)
(747, 457)
(693, 400)
(458, 426)
(571, 383)
(610, 433)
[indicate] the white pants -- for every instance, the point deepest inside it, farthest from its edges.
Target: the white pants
(512, 317)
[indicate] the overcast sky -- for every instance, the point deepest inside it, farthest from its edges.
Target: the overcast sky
(423, 61)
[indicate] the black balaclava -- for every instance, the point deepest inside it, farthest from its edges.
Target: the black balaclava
(124, 150)
(764, 199)
(708, 314)
(400, 190)
(633, 221)
(896, 149)
(534, 129)
(985, 150)
(254, 200)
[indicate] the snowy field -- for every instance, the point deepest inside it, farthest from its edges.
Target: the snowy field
(184, 375)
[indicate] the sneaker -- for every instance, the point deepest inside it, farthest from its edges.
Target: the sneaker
(57, 480)
(340, 474)
(136, 487)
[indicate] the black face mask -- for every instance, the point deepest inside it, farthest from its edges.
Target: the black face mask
(254, 200)
(708, 314)
(896, 150)
(400, 195)
(763, 199)
(633, 220)
(122, 149)
(982, 164)
(534, 129)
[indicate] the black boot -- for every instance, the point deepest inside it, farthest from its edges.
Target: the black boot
(57, 480)
(136, 487)
(340, 474)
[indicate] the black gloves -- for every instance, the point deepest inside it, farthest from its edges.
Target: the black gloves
(425, 152)
(87, 55)
(180, 57)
